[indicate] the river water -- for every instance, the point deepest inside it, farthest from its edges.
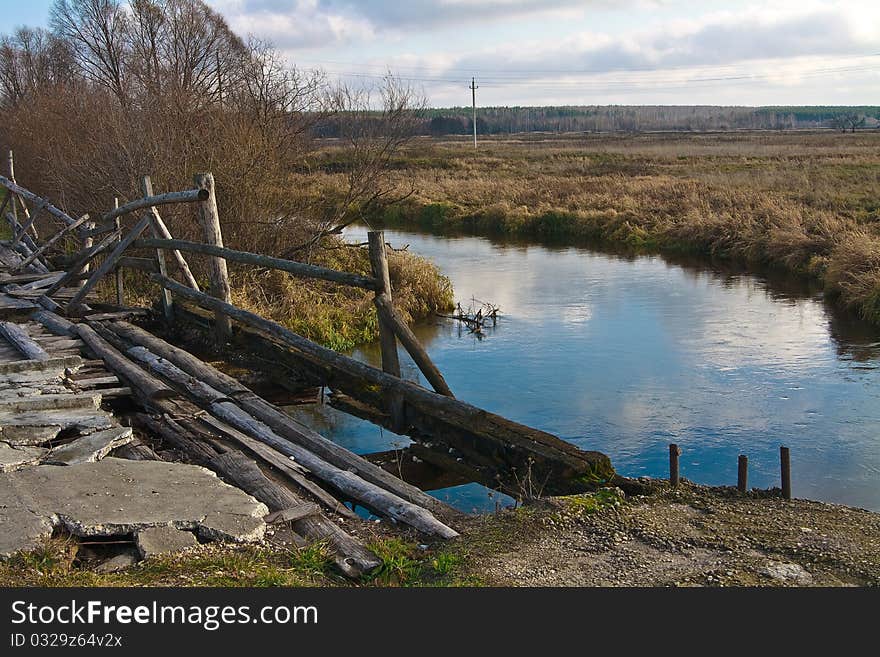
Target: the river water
(627, 354)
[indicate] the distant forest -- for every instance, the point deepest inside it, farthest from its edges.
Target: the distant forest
(623, 118)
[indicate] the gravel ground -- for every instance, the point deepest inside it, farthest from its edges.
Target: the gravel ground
(691, 536)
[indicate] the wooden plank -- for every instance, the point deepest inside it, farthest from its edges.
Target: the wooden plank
(29, 222)
(70, 401)
(299, 269)
(19, 338)
(18, 279)
(53, 240)
(293, 513)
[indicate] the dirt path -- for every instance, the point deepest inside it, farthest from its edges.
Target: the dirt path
(695, 536)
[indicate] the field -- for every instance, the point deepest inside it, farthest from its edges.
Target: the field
(804, 202)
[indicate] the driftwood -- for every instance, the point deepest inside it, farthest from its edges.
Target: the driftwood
(19, 338)
(352, 486)
(509, 444)
(280, 422)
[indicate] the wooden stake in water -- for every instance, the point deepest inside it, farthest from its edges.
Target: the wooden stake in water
(674, 453)
(742, 475)
(785, 465)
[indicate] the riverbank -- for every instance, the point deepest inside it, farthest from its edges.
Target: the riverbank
(692, 536)
(800, 202)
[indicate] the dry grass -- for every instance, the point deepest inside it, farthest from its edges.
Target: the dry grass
(802, 202)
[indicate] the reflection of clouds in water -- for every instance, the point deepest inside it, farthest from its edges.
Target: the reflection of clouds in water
(628, 355)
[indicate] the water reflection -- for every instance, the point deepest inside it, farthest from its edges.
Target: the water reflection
(627, 353)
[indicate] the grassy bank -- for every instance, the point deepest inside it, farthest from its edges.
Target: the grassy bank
(807, 203)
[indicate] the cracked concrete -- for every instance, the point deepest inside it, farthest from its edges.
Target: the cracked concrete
(117, 496)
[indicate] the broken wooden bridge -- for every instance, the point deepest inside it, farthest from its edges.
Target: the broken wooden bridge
(74, 370)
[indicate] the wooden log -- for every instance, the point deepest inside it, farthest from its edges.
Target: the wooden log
(109, 262)
(142, 264)
(135, 451)
(299, 269)
(278, 421)
(164, 295)
(33, 198)
(84, 257)
(148, 385)
(387, 341)
(26, 246)
(283, 464)
(55, 323)
(209, 218)
(188, 196)
(27, 225)
(348, 483)
(160, 231)
(352, 557)
(96, 230)
(412, 345)
(18, 337)
(562, 465)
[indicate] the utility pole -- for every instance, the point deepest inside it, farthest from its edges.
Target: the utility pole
(473, 87)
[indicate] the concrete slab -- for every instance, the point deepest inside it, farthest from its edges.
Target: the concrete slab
(117, 496)
(154, 541)
(91, 448)
(15, 458)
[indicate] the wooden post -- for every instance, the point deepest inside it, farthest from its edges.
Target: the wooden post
(387, 340)
(785, 466)
(165, 295)
(209, 218)
(88, 243)
(742, 474)
(10, 161)
(674, 453)
(120, 289)
(29, 225)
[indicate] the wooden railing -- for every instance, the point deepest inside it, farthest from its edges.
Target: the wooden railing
(115, 244)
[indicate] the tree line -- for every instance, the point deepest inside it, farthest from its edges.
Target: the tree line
(116, 89)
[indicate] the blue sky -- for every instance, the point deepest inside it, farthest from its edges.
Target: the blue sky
(574, 51)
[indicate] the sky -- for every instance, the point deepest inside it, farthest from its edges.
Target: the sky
(573, 52)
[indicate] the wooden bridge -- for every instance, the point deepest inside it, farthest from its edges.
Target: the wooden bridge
(86, 362)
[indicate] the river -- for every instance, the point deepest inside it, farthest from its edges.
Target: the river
(627, 354)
